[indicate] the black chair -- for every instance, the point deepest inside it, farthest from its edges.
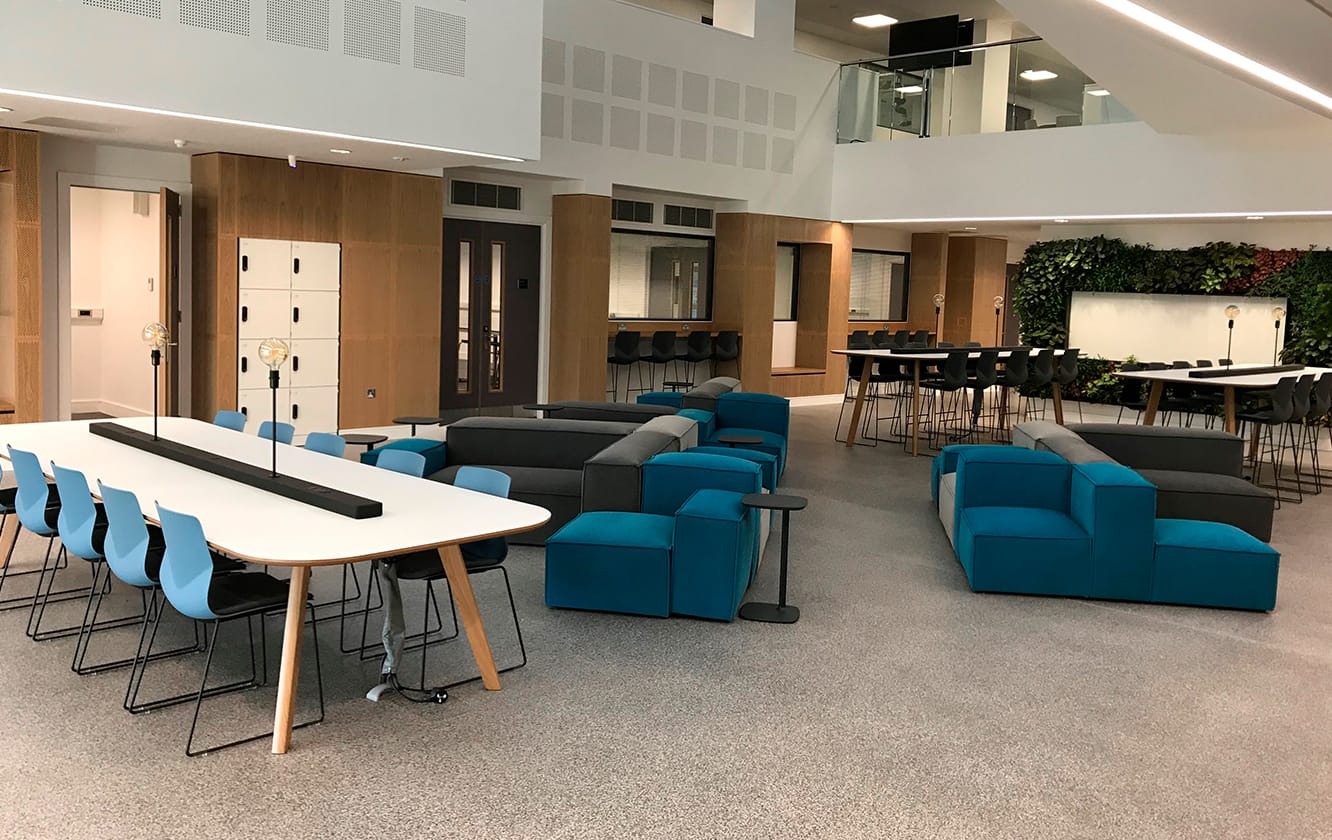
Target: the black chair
(624, 353)
(663, 353)
(881, 340)
(1040, 374)
(901, 338)
(945, 345)
(726, 349)
(921, 337)
(1180, 401)
(1277, 417)
(859, 340)
(1130, 392)
(1319, 410)
(982, 376)
(1067, 373)
(972, 344)
(948, 389)
(698, 348)
(1016, 372)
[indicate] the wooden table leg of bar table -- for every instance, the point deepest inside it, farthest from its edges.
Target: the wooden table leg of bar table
(1232, 425)
(915, 409)
(8, 538)
(1153, 403)
(1057, 397)
(860, 402)
(465, 600)
(293, 627)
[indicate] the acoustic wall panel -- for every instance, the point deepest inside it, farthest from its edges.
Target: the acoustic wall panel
(726, 99)
(230, 16)
(784, 111)
(756, 105)
(588, 125)
(440, 42)
(756, 150)
(662, 83)
(660, 134)
(142, 8)
(693, 140)
(626, 77)
(626, 128)
(553, 58)
(695, 92)
(298, 23)
(725, 145)
(373, 29)
(589, 69)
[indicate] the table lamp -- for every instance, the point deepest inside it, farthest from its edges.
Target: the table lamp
(938, 307)
(273, 352)
(998, 309)
(157, 337)
(1278, 315)
(1232, 312)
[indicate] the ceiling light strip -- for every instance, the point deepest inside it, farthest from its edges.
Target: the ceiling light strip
(1116, 217)
(1209, 47)
(139, 109)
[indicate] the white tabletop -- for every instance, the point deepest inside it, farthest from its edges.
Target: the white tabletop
(255, 525)
(1238, 379)
(928, 356)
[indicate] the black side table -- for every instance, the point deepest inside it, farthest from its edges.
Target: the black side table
(416, 421)
(734, 439)
(780, 612)
(368, 441)
(545, 408)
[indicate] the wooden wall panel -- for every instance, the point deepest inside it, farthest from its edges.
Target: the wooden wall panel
(977, 270)
(929, 276)
(579, 296)
(21, 153)
(744, 285)
(957, 316)
(390, 227)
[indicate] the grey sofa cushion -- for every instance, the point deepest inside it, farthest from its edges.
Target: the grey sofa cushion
(683, 429)
(613, 478)
(1029, 433)
(530, 441)
(555, 490)
(948, 504)
(705, 396)
(1166, 448)
(1213, 498)
(613, 412)
(1060, 440)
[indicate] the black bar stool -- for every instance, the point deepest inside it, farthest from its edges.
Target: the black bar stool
(698, 348)
(663, 353)
(624, 353)
(726, 349)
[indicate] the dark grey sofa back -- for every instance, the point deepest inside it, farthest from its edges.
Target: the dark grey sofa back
(613, 478)
(1062, 441)
(1165, 448)
(610, 412)
(530, 441)
(705, 395)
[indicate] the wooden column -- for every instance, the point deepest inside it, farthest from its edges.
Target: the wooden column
(976, 272)
(743, 286)
(579, 296)
(929, 272)
(21, 298)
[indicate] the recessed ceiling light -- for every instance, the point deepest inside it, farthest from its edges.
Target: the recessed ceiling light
(1038, 75)
(340, 151)
(1255, 218)
(1209, 47)
(4, 110)
(1100, 92)
(1061, 221)
(969, 228)
(400, 158)
(911, 89)
(875, 21)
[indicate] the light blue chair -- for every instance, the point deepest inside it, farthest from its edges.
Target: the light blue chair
(189, 583)
(37, 505)
(233, 420)
(82, 527)
(134, 553)
(480, 556)
(326, 443)
(284, 431)
(8, 510)
(402, 461)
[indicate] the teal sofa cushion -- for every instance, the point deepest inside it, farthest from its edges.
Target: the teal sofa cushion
(1035, 551)
(1212, 564)
(767, 462)
(712, 561)
(1118, 508)
(706, 420)
(613, 562)
(434, 451)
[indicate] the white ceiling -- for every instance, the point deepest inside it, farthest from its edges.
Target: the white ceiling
(832, 18)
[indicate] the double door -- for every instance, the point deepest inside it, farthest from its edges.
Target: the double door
(490, 323)
(290, 290)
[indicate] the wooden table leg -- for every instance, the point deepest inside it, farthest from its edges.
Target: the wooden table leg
(1232, 425)
(860, 402)
(1057, 397)
(293, 627)
(461, 585)
(1153, 403)
(8, 537)
(915, 409)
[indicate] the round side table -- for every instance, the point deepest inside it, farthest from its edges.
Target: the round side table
(368, 441)
(734, 439)
(780, 612)
(416, 421)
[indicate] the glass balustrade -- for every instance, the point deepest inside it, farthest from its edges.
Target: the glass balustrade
(1017, 85)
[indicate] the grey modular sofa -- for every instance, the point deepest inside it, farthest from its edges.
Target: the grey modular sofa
(703, 396)
(1198, 473)
(548, 460)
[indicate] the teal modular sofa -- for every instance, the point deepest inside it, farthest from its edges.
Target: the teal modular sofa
(1030, 522)
(692, 550)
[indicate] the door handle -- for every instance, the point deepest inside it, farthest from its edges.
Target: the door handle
(295, 411)
(295, 314)
(245, 263)
(245, 411)
(295, 363)
(245, 314)
(244, 363)
(296, 265)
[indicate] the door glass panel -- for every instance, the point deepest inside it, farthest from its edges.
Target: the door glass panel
(496, 379)
(464, 383)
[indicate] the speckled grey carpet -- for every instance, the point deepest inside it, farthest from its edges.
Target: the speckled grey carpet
(901, 705)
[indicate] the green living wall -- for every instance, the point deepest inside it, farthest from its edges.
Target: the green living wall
(1052, 271)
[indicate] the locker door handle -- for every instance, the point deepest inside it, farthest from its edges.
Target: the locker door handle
(295, 411)
(295, 314)
(245, 314)
(245, 363)
(296, 265)
(245, 263)
(245, 411)
(295, 363)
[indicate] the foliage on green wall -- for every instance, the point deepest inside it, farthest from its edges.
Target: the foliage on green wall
(1052, 271)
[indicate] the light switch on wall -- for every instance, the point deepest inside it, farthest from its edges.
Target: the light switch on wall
(150, 284)
(369, 393)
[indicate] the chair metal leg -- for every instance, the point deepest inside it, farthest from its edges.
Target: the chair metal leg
(39, 610)
(513, 609)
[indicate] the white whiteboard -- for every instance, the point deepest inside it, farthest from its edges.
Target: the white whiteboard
(1163, 328)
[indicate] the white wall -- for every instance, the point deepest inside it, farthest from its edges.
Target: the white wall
(631, 100)
(326, 84)
(66, 163)
(113, 267)
(1124, 168)
(1265, 234)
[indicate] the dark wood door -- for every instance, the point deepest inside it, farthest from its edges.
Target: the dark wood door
(491, 319)
(169, 307)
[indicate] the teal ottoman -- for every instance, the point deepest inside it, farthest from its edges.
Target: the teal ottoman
(613, 562)
(433, 450)
(669, 398)
(1212, 564)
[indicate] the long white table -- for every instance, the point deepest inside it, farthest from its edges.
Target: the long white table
(918, 360)
(261, 527)
(1238, 380)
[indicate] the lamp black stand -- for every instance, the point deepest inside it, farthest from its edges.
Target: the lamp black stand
(997, 310)
(157, 362)
(1230, 337)
(1276, 340)
(273, 386)
(936, 326)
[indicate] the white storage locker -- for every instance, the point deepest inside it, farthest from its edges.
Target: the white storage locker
(257, 405)
(313, 364)
(265, 264)
(250, 372)
(264, 313)
(316, 266)
(313, 409)
(314, 314)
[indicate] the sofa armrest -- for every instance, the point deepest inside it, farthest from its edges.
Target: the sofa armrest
(613, 478)
(1007, 476)
(712, 559)
(1166, 448)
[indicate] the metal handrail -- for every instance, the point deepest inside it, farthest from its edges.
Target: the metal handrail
(973, 48)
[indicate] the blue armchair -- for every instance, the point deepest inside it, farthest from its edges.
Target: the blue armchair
(690, 551)
(766, 416)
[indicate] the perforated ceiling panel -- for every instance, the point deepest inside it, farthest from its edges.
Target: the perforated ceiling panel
(232, 16)
(143, 8)
(373, 29)
(300, 23)
(440, 42)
